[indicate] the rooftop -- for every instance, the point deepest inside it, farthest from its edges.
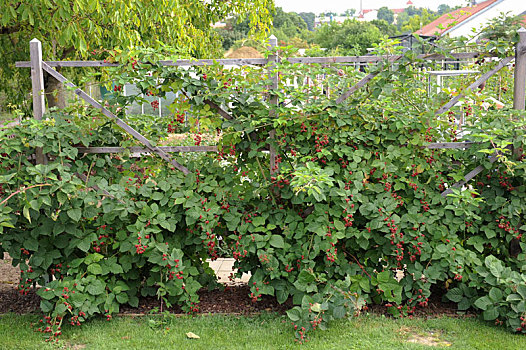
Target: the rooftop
(448, 20)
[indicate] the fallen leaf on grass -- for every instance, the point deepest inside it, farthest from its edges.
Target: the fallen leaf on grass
(191, 335)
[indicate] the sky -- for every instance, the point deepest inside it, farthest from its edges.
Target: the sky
(339, 6)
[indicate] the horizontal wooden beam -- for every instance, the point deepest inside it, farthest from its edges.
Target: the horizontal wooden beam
(180, 63)
(371, 59)
(255, 61)
(454, 145)
(169, 149)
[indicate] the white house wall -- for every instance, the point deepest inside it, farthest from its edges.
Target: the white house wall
(514, 7)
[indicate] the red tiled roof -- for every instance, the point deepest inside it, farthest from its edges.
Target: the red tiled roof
(452, 18)
(409, 2)
(398, 10)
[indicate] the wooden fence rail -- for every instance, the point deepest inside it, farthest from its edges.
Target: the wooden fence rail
(38, 66)
(261, 61)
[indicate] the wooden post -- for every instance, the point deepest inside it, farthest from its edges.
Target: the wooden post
(519, 86)
(37, 81)
(273, 75)
(519, 79)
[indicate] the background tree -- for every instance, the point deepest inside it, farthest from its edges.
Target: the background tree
(350, 37)
(309, 18)
(385, 14)
(384, 27)
(235, 29)
(503, 27)
(290, 23)
(444, 8)
(72, 29)
(349, 13)
(417, 21)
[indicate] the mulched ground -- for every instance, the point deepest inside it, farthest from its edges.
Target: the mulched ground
(232, 300)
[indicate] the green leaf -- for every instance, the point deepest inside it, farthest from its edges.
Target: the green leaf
(294, 314)
(26, 213)
(277, 241)
(156, 196)
(495, 294)
(490, 314)
(522, 291)
(282, 296)
(122, 298)
(482, 303)
(75, 214)
(306, 277)
(316, 307)
(258, 221)
(339, 225)
(95, 269)
(514, 297)
(85, 244)
(96, 287)
(455, 295)
(339, 312)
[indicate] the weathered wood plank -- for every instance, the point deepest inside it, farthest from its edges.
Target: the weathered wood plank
(170, 149)
(475, 85)
(274, 77)
(117, 120)
(253, 61)
(450, 145)
(372, 59)
(220, 110)
(224, 61)
(363, 82)
(355, 87)
(519, 77)
(469, 176)
(37, 83)
(206, 62)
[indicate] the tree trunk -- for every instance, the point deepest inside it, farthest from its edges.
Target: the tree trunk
(55, 93)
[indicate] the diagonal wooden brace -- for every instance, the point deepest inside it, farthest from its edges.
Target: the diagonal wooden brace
(475, 85)
(117, 120)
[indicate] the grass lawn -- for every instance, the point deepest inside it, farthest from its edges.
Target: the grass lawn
(268, 331)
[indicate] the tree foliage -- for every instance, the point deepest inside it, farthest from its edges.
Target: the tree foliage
(351, 36)
(73, 29)
(504, 27)
(386, 14)
(309, 18)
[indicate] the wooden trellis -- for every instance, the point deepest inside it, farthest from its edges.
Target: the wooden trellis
(38, 67)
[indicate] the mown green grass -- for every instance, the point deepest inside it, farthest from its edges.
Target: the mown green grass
(262, 332)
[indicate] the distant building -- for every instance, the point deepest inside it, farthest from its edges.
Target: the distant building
(372, 14)
(219, 25)
(368, 15)
(460, 22)
(318, 21)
